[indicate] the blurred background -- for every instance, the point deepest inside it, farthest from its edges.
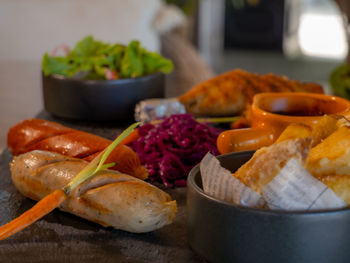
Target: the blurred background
(302, 39)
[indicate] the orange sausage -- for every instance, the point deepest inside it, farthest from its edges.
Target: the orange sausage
(243, 140)
(36, 134)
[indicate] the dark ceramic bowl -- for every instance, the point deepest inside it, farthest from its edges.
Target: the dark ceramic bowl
(223, 232)
(99, 100)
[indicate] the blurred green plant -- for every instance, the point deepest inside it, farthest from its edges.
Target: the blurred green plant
(188, 6)
(340, 81)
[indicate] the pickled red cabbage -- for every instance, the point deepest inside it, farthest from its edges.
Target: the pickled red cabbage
(170, 148)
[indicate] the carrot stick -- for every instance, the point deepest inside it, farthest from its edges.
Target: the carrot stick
(39, 210)
(133, 136)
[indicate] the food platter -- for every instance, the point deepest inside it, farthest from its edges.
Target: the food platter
(62, 178)
(62, 237)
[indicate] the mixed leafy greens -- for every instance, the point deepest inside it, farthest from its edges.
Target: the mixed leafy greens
(340, 81)
(92, 59)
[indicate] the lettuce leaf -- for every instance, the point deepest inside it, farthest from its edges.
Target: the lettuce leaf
(56, 65)
(90, 58)
(156, 63)
(132, 62)
(87, 47)
(137, 61)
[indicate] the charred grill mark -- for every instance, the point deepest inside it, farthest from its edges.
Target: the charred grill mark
(280, 83)
(249, 89)
(94, 205)
(87, 144)
(36, 134)
(272, 84)
(81, 213)
(31, 144)
(35, 189)
(102, 181)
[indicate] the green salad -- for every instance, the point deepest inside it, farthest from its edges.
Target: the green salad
(340, 81)
(92, 59)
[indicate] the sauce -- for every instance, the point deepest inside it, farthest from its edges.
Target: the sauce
(300, 113)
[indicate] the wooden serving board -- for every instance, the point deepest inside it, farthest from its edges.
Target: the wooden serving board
(62, 237)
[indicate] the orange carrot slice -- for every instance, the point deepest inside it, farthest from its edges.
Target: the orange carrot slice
(39, 210)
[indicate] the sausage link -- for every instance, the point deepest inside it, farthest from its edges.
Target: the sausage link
(109, 198)
(37, 134)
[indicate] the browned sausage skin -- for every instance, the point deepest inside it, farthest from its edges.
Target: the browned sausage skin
(37, 134)
(109, 198)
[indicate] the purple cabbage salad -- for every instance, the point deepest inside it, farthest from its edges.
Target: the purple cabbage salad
(171, 148)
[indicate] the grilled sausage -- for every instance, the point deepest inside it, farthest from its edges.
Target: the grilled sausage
(109, 198)
(36, 134)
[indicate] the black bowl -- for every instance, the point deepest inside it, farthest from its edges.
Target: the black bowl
(224, 232)
(99, 100)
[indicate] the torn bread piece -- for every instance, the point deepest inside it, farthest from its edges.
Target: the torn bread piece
(267, 162)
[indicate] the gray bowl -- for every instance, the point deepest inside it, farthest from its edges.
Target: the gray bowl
(99, 100)
(223, 232)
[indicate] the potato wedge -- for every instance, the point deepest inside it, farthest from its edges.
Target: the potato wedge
(326, 126)
(318, 131)
(332, 155)
(295, 131)
(343, 121)
(340, 184)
